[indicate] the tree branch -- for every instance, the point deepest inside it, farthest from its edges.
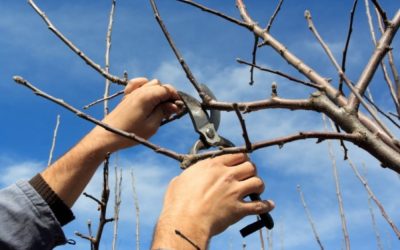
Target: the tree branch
(178, 55)
(344, 57)
(309, 217)
(109, 97)
(53, 144)
(289, 77)
(374, 61)
(243, 126)
(75, 49)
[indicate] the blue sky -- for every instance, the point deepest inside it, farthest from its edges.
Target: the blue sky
(210, 46)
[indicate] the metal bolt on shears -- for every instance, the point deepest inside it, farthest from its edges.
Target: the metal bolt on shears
(206, 126)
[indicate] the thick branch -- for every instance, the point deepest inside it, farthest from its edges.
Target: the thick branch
(383, 46)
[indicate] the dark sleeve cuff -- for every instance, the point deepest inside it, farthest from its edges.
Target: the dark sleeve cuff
(61, 211)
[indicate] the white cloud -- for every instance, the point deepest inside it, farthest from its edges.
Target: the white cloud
(13, 170)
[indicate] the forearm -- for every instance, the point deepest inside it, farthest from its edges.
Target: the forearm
(69, 175)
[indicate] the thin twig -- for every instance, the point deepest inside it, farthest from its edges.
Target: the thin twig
(374, 198)
(117, 202)
(274, 15)
(107, 55)
(75, 49)
(309, 217)
(372, 213)
(262, 244)
(381, 112)
(381, 12)
(254, 54)
(243, 126)
(104, 99)
(338, 192)
(214, 12)
(137, 210)
(279, 73)
(53, 144)
(178, 55)
(344, 57)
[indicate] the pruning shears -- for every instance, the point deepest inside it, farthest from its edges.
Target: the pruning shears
(206, 126)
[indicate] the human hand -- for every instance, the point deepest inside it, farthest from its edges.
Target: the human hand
(144, 106)
(207, 198)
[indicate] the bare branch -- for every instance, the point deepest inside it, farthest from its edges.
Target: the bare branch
(254, 54)
(271, 20)
(107, 55)
(374, 61)
(381, 112)
(117, 202)
(310, 73)
(344, 77)
(383, 66)
(291, 78)
(137, 210)
(372, 213)
(104, 99)
(393, 68)
(93, 198)
(75, 49)
(178, 55)
(338, 192)
(374, 198)
(344, 57)
(381, 12)
(243, 126)
(280, 142)
(309, 217)
(214, 12)
(53, 144)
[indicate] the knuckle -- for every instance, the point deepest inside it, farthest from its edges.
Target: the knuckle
(259, 184)
(259, 207)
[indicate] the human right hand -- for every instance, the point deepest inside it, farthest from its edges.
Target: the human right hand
(207, 198)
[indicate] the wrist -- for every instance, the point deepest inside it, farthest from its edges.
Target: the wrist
(108, 142)
(180, 233)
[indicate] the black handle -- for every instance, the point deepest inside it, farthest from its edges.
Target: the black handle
(265, 220)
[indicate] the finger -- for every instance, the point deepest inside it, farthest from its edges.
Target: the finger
(252, 185)
(169, 108)
(244, 170)
(158, 94)
(232, 159)
(153, 82)
(256, 207)
(135, 83)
